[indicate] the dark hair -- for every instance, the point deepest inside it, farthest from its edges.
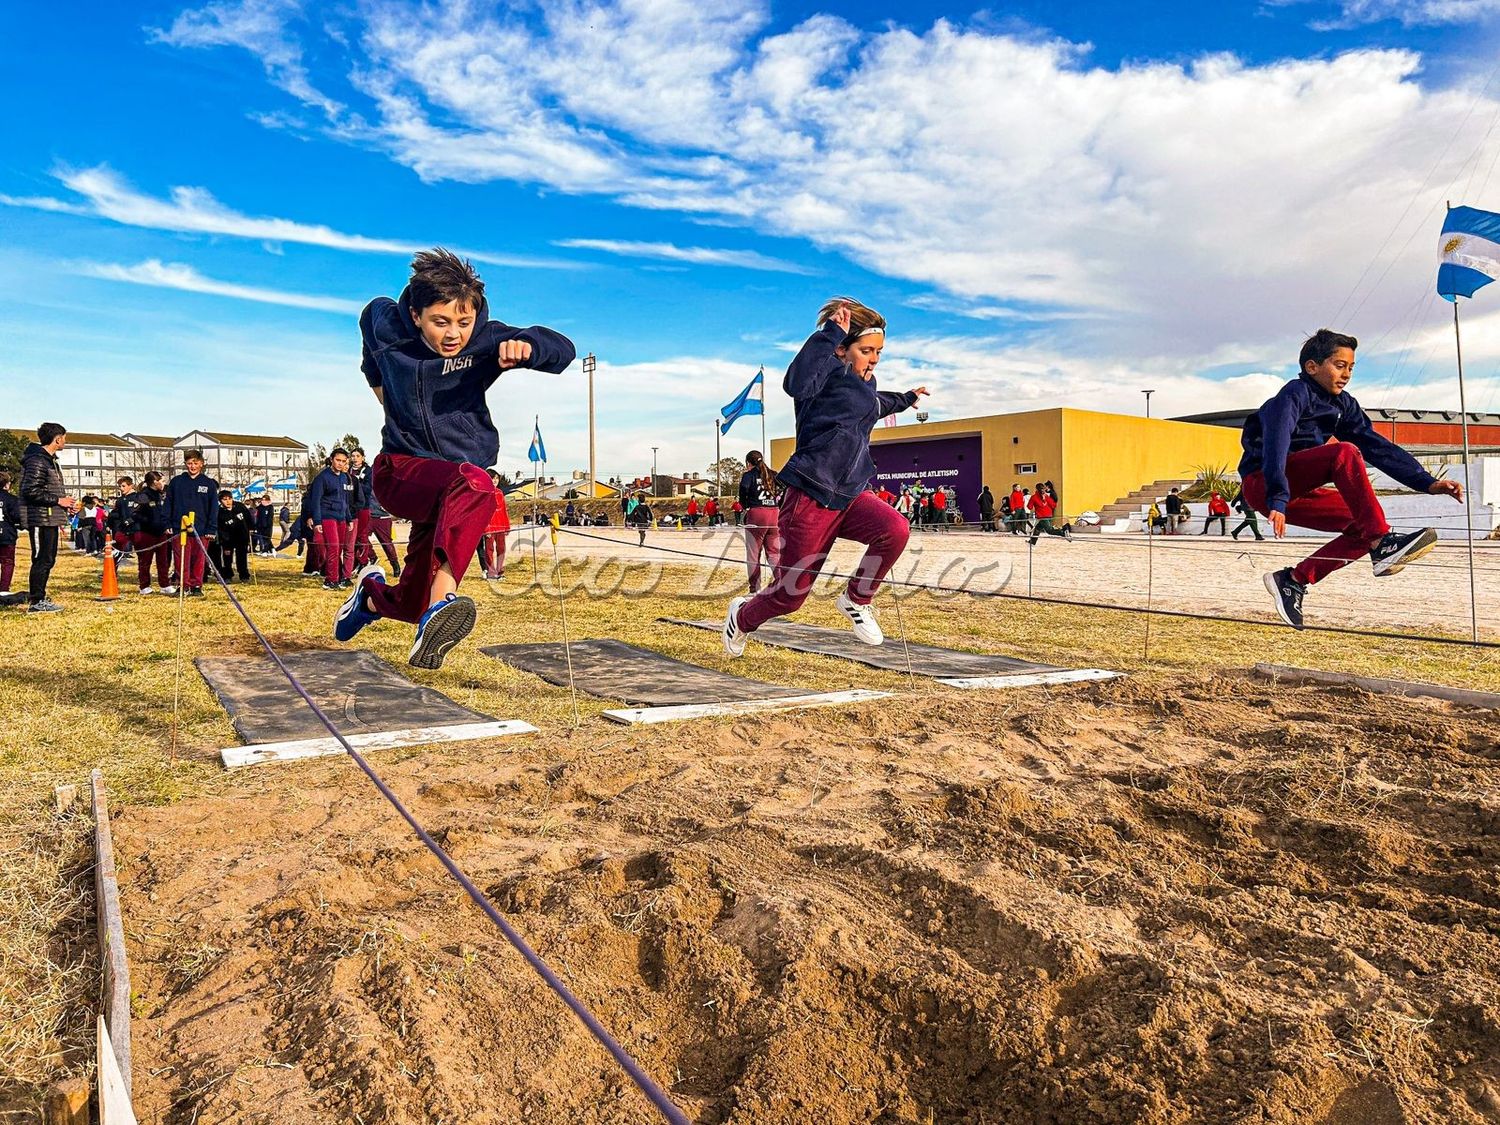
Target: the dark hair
(334, 452)
(756, 460)
(153, 475)
(4, 480)
(1322, 344)
(225, 494)
(439, 276)
(48, 432)
(90, 498)
(357, 449)
(125, 480)
(861, 317)
(192, 455)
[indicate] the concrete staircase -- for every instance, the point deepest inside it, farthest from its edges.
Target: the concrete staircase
(1131, 505)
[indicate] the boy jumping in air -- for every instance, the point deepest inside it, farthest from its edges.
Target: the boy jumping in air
(1311, 434)
(430, 357)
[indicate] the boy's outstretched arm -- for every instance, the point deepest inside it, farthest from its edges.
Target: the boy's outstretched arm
(537, 348)
(1390, 458)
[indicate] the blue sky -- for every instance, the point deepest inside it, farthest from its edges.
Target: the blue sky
(1052, 204)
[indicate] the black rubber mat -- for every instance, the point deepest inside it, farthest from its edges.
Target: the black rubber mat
(926, 660)
(615, 670)
(360, 692)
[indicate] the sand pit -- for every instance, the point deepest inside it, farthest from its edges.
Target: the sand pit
(1122, 902)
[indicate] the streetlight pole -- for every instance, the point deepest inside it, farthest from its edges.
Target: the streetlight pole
(653, 472)
(1148, 395)
(588, 369)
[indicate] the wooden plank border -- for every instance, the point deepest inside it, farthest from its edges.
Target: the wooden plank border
(114, 1094)
(116, 974)
(631, 715)
(236, 757)
(1465, 696)
(1033, 679)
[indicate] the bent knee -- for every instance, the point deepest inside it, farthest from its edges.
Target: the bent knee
(1348, 453)
(476, 478)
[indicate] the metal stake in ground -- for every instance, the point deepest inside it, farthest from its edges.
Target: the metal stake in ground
(562, 607)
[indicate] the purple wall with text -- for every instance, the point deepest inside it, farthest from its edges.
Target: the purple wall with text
(943, 462)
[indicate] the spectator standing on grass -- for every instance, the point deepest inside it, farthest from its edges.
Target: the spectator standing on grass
(45, 507)
(330, 507)
(492, 546)
(10, 532)
(1218, 509)
(151, 537)
(122, 521)
(360, 513)
(264, 513)
(381, 528)
(1249, 521)
(758, 493)
(284, 517)
(236, 526)
(192, 493)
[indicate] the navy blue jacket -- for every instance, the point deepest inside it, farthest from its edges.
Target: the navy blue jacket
(364, 492)
(151, 511)
(10, 519)
(1302, 415)
(198, 495)
(754, 493)
(331, 497)
(435, 407)
(835, 410)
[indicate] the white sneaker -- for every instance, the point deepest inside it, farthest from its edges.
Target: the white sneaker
(734, 636)
(169, 589)
(866, 628)
(146, 590)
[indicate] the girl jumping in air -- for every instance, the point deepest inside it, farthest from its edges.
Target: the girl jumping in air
(827, 497)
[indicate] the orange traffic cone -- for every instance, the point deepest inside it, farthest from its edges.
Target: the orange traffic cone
(109, 591)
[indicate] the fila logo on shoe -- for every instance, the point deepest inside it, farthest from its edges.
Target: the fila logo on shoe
(457, 363)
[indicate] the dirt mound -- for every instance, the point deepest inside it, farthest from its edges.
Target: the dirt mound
(1201, 901)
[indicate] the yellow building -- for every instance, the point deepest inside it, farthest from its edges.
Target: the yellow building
(1092, 458)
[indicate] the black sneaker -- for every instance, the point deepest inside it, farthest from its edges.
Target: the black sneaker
(347, 584)
(195, 592)
(1395, 550)
(1287, 592)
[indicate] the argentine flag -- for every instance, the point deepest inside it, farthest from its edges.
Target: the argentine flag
(743, 404)
(1470, 252)
(538, 451)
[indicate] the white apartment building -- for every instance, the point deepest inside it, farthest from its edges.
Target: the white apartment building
(93, 462)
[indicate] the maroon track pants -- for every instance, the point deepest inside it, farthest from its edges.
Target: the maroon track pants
(762, 533)
(449, 506)
(807, 533)
(1350, 507)
(190, 571)
(147, 548)
(362, 552)
(338, 550)
(380, 526)
(7, 567)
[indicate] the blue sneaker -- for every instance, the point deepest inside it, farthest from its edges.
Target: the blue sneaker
(352, 615)
(443, 625)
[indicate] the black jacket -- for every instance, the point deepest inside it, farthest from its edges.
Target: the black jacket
(41, 488)
(986, 503)
(124, 517)
(10, 519)
(754, 493)
(151, 511)
(234, 525)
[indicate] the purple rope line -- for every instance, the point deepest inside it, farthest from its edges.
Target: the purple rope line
(832, 574)
(655, 1093)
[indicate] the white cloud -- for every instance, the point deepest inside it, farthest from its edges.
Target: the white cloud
(1410, 13)
(697, 255)
(260, 27)
(194, 210)
(173, 275)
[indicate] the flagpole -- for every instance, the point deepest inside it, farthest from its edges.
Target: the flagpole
(718, 456)
(764, 452)
(1463, 413)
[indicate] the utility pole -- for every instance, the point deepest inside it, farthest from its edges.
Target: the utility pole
(588, 369)
(653, 472)
(1148, 395)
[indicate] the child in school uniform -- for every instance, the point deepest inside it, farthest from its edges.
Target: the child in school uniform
(430, 357)
(1309, 435)
(827, 479)
(762, 527)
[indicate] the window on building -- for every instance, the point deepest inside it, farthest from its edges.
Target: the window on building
(1025, 468)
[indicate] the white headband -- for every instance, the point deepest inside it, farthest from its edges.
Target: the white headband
(867, 331)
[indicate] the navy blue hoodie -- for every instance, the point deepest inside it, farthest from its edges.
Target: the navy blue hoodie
(331, 497)
(364, 491)
(435, 406)
(199, 495)
(1302, 415)
(836, 410)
